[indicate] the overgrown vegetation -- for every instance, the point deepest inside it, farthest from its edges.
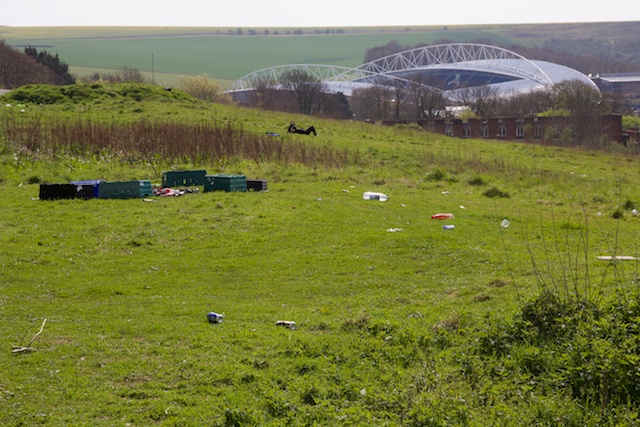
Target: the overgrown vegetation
(400, 322)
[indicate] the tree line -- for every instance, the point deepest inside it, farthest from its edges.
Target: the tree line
(29, 67)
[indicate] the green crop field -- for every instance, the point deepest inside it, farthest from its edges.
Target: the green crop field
(163, 54)
(399, 321)
(221, 56)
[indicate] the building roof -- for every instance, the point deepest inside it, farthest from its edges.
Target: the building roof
(447, 68)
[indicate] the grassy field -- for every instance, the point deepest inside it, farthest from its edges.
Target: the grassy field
(391, 309)
(195, 51)
(225, 55)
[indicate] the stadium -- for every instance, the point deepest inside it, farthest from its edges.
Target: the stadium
(448, 68)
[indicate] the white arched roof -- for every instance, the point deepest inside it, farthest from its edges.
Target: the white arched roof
(453, 65)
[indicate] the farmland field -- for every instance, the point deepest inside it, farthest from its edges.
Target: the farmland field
(224, 55)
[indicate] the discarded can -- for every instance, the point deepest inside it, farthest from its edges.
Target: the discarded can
(442, 216)
(287, 324)
(448, 227)
(215, 317)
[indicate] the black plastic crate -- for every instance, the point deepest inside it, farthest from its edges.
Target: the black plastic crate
(256, 185)
(57, 191)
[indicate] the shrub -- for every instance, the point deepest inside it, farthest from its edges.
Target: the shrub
(495, 192)
(477, 181)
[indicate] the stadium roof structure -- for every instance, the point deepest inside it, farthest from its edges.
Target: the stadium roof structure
(445, 67)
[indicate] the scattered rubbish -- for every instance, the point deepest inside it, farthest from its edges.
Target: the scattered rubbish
(287, 324)
(369, 195)
(149, 200)
(393, 230)
(215, 317)
(634, 212)
(273, 134)
(462, 207)
(505, 223)
(445, 192)
(448, 227)
(168, 192)
(617, 258)
(442, 216)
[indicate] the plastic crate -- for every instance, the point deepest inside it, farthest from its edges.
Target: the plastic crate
(120, 190)
(57, 191)
(256, 185)
(87, 189)
(184, 178)
(225, 182)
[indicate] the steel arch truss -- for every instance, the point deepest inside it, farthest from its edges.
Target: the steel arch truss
(324, 73)
(469, 53)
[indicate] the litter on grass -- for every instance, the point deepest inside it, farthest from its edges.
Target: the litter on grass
(287, 324)
(215, 317)
(370, 195)
(617, 258)
(442, 216)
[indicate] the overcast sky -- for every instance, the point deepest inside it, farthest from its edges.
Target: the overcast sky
(309, 13)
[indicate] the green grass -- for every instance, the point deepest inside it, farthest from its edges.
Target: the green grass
(389, 323)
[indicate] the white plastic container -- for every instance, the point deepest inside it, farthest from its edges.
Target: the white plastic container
(370, 195)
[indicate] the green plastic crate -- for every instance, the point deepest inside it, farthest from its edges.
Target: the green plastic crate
(225, 182)
(184, 178)
(124, 189)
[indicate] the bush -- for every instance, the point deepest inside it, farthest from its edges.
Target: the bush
(495, 192)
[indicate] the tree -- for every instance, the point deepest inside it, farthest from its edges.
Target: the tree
(381, 51)
(59, 68)
(481, 100)
(373, 103)
(579, 99)
(586, 107)
(426, 98)
(307, 89)
(523, 105)
(124, 75)
(18, 69)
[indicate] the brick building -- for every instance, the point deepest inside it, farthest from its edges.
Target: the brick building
(535, 129)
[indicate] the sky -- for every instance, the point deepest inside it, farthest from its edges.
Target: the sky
(305, 13)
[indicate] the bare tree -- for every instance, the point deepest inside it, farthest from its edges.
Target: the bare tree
(481, 100)
(373, 103)
(426, 100)
(125, 74)
(308, 90)
(526, 104)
